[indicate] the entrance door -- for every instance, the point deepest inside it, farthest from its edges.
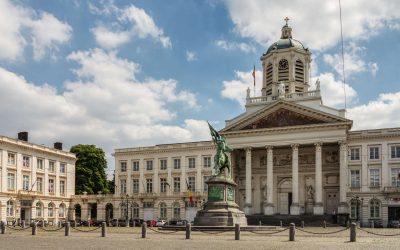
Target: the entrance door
(22, 213)
(289, 201)
(332, 202)
(283, 203)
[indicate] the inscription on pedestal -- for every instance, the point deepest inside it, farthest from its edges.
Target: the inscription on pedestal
(230, 194)
(215, 193)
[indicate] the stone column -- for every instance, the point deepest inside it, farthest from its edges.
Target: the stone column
(248, 205)
(343, 206)
(269, 204)
(295, 208)
(318, 206)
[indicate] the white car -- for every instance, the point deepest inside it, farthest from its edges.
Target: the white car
(160, 223)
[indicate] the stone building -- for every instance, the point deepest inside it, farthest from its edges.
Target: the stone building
(36, 181)
(292, 156)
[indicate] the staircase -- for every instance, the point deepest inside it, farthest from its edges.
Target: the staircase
(274, 220)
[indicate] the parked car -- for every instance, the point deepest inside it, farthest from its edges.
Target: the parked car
(121, 223)
(172, 222)
(181, 222)
(151, 223)
(160, 223)
(394, 223)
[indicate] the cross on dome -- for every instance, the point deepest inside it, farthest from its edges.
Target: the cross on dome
(286, 19)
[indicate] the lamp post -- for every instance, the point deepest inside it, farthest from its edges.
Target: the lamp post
(358, 203)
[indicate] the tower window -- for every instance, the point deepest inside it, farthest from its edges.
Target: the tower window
(268, 74)
(283, 70)
(299, 71)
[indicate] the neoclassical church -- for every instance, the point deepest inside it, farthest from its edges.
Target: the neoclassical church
(292, 156)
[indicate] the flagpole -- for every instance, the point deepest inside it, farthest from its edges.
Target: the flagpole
(254, 80)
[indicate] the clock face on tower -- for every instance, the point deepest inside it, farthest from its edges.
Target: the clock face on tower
(283, 64)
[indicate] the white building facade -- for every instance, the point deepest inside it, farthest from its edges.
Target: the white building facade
(36, 182)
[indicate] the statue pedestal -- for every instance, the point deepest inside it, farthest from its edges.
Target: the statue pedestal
(309, 206)
(220, 208)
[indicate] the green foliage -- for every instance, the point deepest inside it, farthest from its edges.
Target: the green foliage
(90, 175)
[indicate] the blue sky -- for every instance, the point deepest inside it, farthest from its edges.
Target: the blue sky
(132, 73)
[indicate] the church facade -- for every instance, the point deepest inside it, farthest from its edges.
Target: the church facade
(292, 155)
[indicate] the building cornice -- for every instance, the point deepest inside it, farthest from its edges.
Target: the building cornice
(374, 134)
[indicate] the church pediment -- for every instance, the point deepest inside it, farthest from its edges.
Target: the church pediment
(282, 118)
(283, 115)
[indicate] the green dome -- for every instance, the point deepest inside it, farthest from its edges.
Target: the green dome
(286, 43)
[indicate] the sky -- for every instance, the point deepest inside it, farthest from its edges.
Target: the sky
(123, 74)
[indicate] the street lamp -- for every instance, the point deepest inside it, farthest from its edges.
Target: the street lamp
(358, 203)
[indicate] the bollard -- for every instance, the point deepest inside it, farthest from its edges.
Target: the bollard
(188, 231)
(103, 229)
(116, 224)
(259, 223)
(292, 231)
(237, 231)
(3, 227)
(67, 225)
(134, 224)
(144, 229)
(302, 224)
(34, 228)
(353, 232)
(281, 224)
(372, 224)
(324, 224)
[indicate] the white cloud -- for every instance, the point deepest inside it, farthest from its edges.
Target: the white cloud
(361, 19)
(235, 46)
(352, 60)
(190, 56)
(131, 22)
(332, 91)
(21, 26)
(380, 113)
(105, 105)
(236, 89)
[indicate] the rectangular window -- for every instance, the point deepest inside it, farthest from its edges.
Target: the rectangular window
(52, 167)
(135, 165)
(355, 154)
(149, 165)
(26, 161)
(207, 161)
(177, 184)
(395, 177)
(374, 153)
(51, 186)
(192, 183)
(123, 166)
(11, 158)
(163, 185)
(163, 164)
(123, 186)
(11, 181)
(355, 178)
(25, 182)
(62, 167)
(135, 186)
(205, 184)
(39, 184)
(149, 185)
(177, 163)
(192, 162)
(39, 164)
(395, 151)
(374, 177)
(62, 187)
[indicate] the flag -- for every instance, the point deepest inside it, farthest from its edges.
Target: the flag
(214, 134)
(254, 75)
(189, 189)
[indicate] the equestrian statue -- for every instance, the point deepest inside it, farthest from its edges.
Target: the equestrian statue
(221, 158)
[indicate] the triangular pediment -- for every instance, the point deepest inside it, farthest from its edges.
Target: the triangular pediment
(283, 118)
(283, 115)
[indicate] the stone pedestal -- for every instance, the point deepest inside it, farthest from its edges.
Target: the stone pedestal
(220, 208)
(309, 206)
(269, 209)
(318, 209)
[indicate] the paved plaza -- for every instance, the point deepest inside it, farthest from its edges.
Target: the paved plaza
(130, 238)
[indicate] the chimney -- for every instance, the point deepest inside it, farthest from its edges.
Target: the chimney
(23, 136)
(58, 145)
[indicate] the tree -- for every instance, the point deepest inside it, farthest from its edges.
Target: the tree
(111, 184)
(90, 175)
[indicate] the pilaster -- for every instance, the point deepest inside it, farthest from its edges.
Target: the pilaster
(248, 204)
(295, 208)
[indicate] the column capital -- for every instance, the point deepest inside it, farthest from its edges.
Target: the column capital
(318, 146)
(269, 147)
(248, 149)
(343, 145)
(295, 146)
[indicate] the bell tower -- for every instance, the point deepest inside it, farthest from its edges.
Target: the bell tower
(286, 66)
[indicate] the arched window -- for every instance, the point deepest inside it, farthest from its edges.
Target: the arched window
(50, 210)
(135, 210)
(374, 208)
(39, 209)
(177, 210)
(10, 208)
(163, 210)
(61, 211)
(283, 70)
(299, 71)
(268, 74)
